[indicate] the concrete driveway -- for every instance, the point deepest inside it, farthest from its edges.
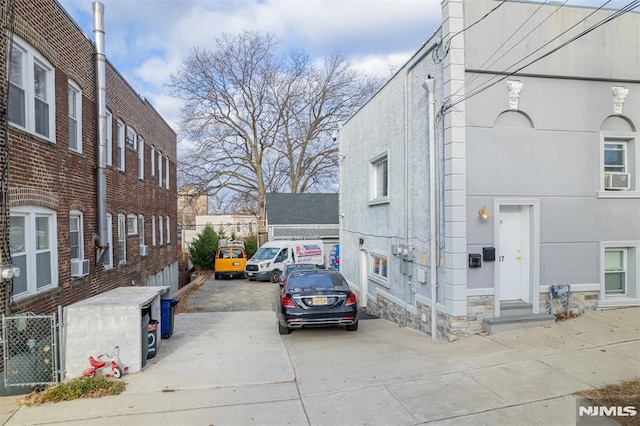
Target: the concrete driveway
(232, 368)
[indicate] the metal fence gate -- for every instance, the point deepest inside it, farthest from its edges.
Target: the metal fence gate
(30, 350)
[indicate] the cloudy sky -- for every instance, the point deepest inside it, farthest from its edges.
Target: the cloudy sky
(147, 39)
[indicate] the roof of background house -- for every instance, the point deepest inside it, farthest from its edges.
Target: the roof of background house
(302, 209)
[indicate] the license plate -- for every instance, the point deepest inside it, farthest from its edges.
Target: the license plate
(319, 301)
(236, 263)
(250, 274)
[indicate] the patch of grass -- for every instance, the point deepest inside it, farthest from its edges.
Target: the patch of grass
(81, 387)
(618, 394)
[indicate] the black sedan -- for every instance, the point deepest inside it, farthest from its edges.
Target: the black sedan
(317, 299)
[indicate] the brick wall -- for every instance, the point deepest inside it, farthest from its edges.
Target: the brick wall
(49, 175)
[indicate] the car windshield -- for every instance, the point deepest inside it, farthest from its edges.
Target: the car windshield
(310, 281)
(265, 253)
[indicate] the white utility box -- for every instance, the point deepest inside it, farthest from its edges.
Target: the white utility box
(116, 318)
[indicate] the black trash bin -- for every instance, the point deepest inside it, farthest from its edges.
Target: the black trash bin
(145, 331)
(152, 340)
(167, 310)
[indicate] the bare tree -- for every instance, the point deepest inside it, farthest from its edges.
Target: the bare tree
(259, 122)
(330, 92)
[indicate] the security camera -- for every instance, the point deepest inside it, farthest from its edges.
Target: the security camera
(334, 136)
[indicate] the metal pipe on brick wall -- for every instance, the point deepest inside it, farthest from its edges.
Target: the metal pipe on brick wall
(101, 104)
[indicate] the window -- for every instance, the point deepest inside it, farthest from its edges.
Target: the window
(75, 117)
(153, 160)
(160, 230)
(379, 266)
(108, 259)
(615, 156)
(122, 240)
(34, 249)
(615, 271)
(75, 235)
(168, 230)
(159, 168)
(619, 165)
(141, 229)
(620, 274)
(140, 158)
(379, 178)
(31, 90)
(132, 224)
(153, 230)
(120, 148)
(166, 173)
(132, 138)
(109, 136)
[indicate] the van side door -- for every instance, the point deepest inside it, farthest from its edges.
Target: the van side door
(283, 258)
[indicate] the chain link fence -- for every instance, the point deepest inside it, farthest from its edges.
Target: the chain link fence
(30, 350)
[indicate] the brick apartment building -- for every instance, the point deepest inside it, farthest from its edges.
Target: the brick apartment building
(83, 208)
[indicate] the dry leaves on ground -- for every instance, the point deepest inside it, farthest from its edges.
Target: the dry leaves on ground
(563, 316)
(183, 300)
(618, 394)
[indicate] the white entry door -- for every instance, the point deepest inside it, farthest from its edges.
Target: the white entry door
(513, 252)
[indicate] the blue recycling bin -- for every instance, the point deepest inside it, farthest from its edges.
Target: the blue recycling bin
(167, 312)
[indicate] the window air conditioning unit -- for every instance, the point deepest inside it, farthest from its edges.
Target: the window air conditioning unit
(617, 181)
(79, 268)
(144, 250)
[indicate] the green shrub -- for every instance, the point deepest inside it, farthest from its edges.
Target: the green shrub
(204, 247)
(251, 245)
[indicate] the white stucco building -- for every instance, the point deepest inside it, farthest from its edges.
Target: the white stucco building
(500, 160)
(240, 226)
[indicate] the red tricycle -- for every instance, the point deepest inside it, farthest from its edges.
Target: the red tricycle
(112, 362)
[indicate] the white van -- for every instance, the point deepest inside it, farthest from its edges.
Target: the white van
(271, 258)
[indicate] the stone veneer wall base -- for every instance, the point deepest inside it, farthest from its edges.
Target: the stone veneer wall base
(478, 307)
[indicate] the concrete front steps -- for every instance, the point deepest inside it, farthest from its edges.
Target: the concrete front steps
(515, 315)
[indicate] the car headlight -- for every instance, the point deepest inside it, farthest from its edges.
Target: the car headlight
(265, 265)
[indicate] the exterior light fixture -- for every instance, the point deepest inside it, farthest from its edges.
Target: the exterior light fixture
(483, 213)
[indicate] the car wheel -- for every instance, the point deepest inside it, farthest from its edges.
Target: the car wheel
(352, 327)
(217, 276)
(283, 330)
(275, 276)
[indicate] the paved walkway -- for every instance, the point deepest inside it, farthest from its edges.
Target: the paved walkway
(232, 368)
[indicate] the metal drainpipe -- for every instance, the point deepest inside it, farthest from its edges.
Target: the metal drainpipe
(407, 278)
(429, 83)
(101, 104)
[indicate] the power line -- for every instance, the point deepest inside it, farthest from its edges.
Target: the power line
(539, 48)
(630, 6)
(476, 76)
(490, 82)
(448, 43)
